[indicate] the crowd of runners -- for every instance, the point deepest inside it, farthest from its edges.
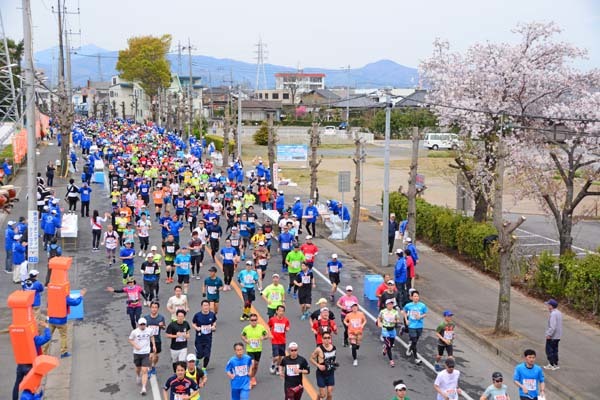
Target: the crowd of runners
(211, 232)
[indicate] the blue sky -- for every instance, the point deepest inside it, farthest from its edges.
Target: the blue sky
(330, 33)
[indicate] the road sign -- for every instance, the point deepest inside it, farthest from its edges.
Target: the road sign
(33, 236)
(343, 181)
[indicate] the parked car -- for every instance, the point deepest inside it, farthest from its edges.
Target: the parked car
(436, 141)
(329, 130)
(343, 126)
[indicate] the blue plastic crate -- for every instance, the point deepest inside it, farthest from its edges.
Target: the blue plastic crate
(371, 283)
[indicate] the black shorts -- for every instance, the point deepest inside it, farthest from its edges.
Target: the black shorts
(271, 312)
(278, 350)
(249, 295)
(183, 278)
(169, 262)
(255, 355)
(335, 278)
(141, 360)
(325, 379)
(158, 346)
(305, 297)
(448, 347)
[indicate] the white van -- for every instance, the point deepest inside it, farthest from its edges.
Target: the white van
(329, 130)
(436, 141)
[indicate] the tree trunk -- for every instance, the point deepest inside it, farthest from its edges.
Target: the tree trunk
(314, 161)
(225, 150)
(505, 245)
(564, 233)
(412, 187)
(65, 122)
(351, 238)
(481, 208)
(271, 142)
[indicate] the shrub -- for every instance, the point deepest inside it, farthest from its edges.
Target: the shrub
(469, 239)
(583, 284)
(548, 279)
(261, 136)
(218, 141)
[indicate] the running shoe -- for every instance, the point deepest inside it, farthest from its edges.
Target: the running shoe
(549, 366)
(303, 317)
(384, 350)
(392, 364)
(555, 367)
(197, 277)
(355, 363)
(438, 367)
(408, 352)
(143, 392)
(418, 361)
(295, 296)
(242, 317)
(273, 369)
(65, 354)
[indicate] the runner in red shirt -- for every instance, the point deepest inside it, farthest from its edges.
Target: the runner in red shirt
(310, 251)
(279, 325)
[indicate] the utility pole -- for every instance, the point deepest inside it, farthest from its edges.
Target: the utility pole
(179, 58)
(32, 213)
(225, 149)
(123, 109)
(238, 139)
(348, 101)
(191, 116)
(386, 183)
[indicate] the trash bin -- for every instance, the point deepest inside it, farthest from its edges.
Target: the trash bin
(371, 283)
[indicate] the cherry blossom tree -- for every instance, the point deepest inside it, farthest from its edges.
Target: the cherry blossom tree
(493, 92)
(559, 171)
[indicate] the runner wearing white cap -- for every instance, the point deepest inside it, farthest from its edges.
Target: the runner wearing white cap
(333, 268)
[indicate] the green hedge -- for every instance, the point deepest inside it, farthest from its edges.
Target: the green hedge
(218, 141)
(576, 281)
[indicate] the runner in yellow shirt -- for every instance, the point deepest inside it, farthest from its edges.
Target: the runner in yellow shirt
(253, 335)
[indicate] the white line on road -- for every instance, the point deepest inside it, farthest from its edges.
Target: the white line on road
(554, 241)
(155, 388)
(398, 339)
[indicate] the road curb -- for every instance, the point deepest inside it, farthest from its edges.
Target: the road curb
(501, 351)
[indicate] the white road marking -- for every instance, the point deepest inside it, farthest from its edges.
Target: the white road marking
(398, 339)
(155, 388)
(554, 241)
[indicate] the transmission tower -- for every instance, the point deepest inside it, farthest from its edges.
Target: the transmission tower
(261, 56)
(9, 111)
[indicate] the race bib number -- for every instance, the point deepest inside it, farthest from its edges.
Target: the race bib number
(333, 269)
(296, 264)
(500, 397)
(306, 279)
(448, 335)
(243, 228)
(184, 266)
(229, 256)
(249, 280)
(214, 235)
(310, 214)
(211, 289)
(268, 235)
(241, 370)
(275, 296)
(290, 370)
(279, 328)
(414, 314)
(389, 318)
(133, 296)
(235, 243)
(262, 261)
(254, 343)
(154, 329)
(250, 219)
(530, 384)
(190, 218)
(205, 329)
(285, 246)
(452, 394)
(181, 338)
(355, 323)
(149, 270)
(170, 249)
(309, 257)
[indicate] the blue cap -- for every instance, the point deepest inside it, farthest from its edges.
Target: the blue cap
(552, 303)
(448, 313)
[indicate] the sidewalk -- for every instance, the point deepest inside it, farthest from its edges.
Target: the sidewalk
(445, 283)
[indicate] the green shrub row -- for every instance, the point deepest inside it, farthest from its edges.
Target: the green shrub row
(445, 228)
(218, 141)
(575, 281)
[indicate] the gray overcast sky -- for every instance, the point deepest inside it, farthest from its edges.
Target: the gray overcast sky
(325, 33)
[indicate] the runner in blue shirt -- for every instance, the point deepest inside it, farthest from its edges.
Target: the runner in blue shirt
(238, 370)
(228, 255)
(211, 288)
(175, 226)
(248, 278)
(414, 313)
(529, 377)
(127, 254)
(204, 323)
(286, 241)
(183, 261)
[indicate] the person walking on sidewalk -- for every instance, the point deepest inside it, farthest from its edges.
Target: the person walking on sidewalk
(529, 377)
(414, 314)
(392, 229)
(553, 334)
(446, 382)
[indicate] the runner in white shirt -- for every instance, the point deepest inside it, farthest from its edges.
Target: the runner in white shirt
(177, 302)
(446, 382)
(142, 341)
(110, 239)
(143, 231)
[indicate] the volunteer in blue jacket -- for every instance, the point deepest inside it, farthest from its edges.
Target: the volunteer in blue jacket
(238, 370)
(310, 217)
(298, 210)
(19, 254)
(529, 377)
(280, 202)
(400, 275)
(9, 238)
(34, 285)
(414, 315)
(85, 192)
(60, 324)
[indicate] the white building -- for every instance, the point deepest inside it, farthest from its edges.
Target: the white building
(299, 82)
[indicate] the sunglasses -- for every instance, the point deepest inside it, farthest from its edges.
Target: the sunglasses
(253, 320)
(400, 390)
(498, 380)
(293, 349)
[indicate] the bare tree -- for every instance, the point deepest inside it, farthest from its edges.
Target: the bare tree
(314, 162)
(226, 135)
(65, 122)
(412, 185)
(271, 142)
(357, 159)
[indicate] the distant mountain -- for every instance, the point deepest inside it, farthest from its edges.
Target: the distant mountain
(92, 62)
